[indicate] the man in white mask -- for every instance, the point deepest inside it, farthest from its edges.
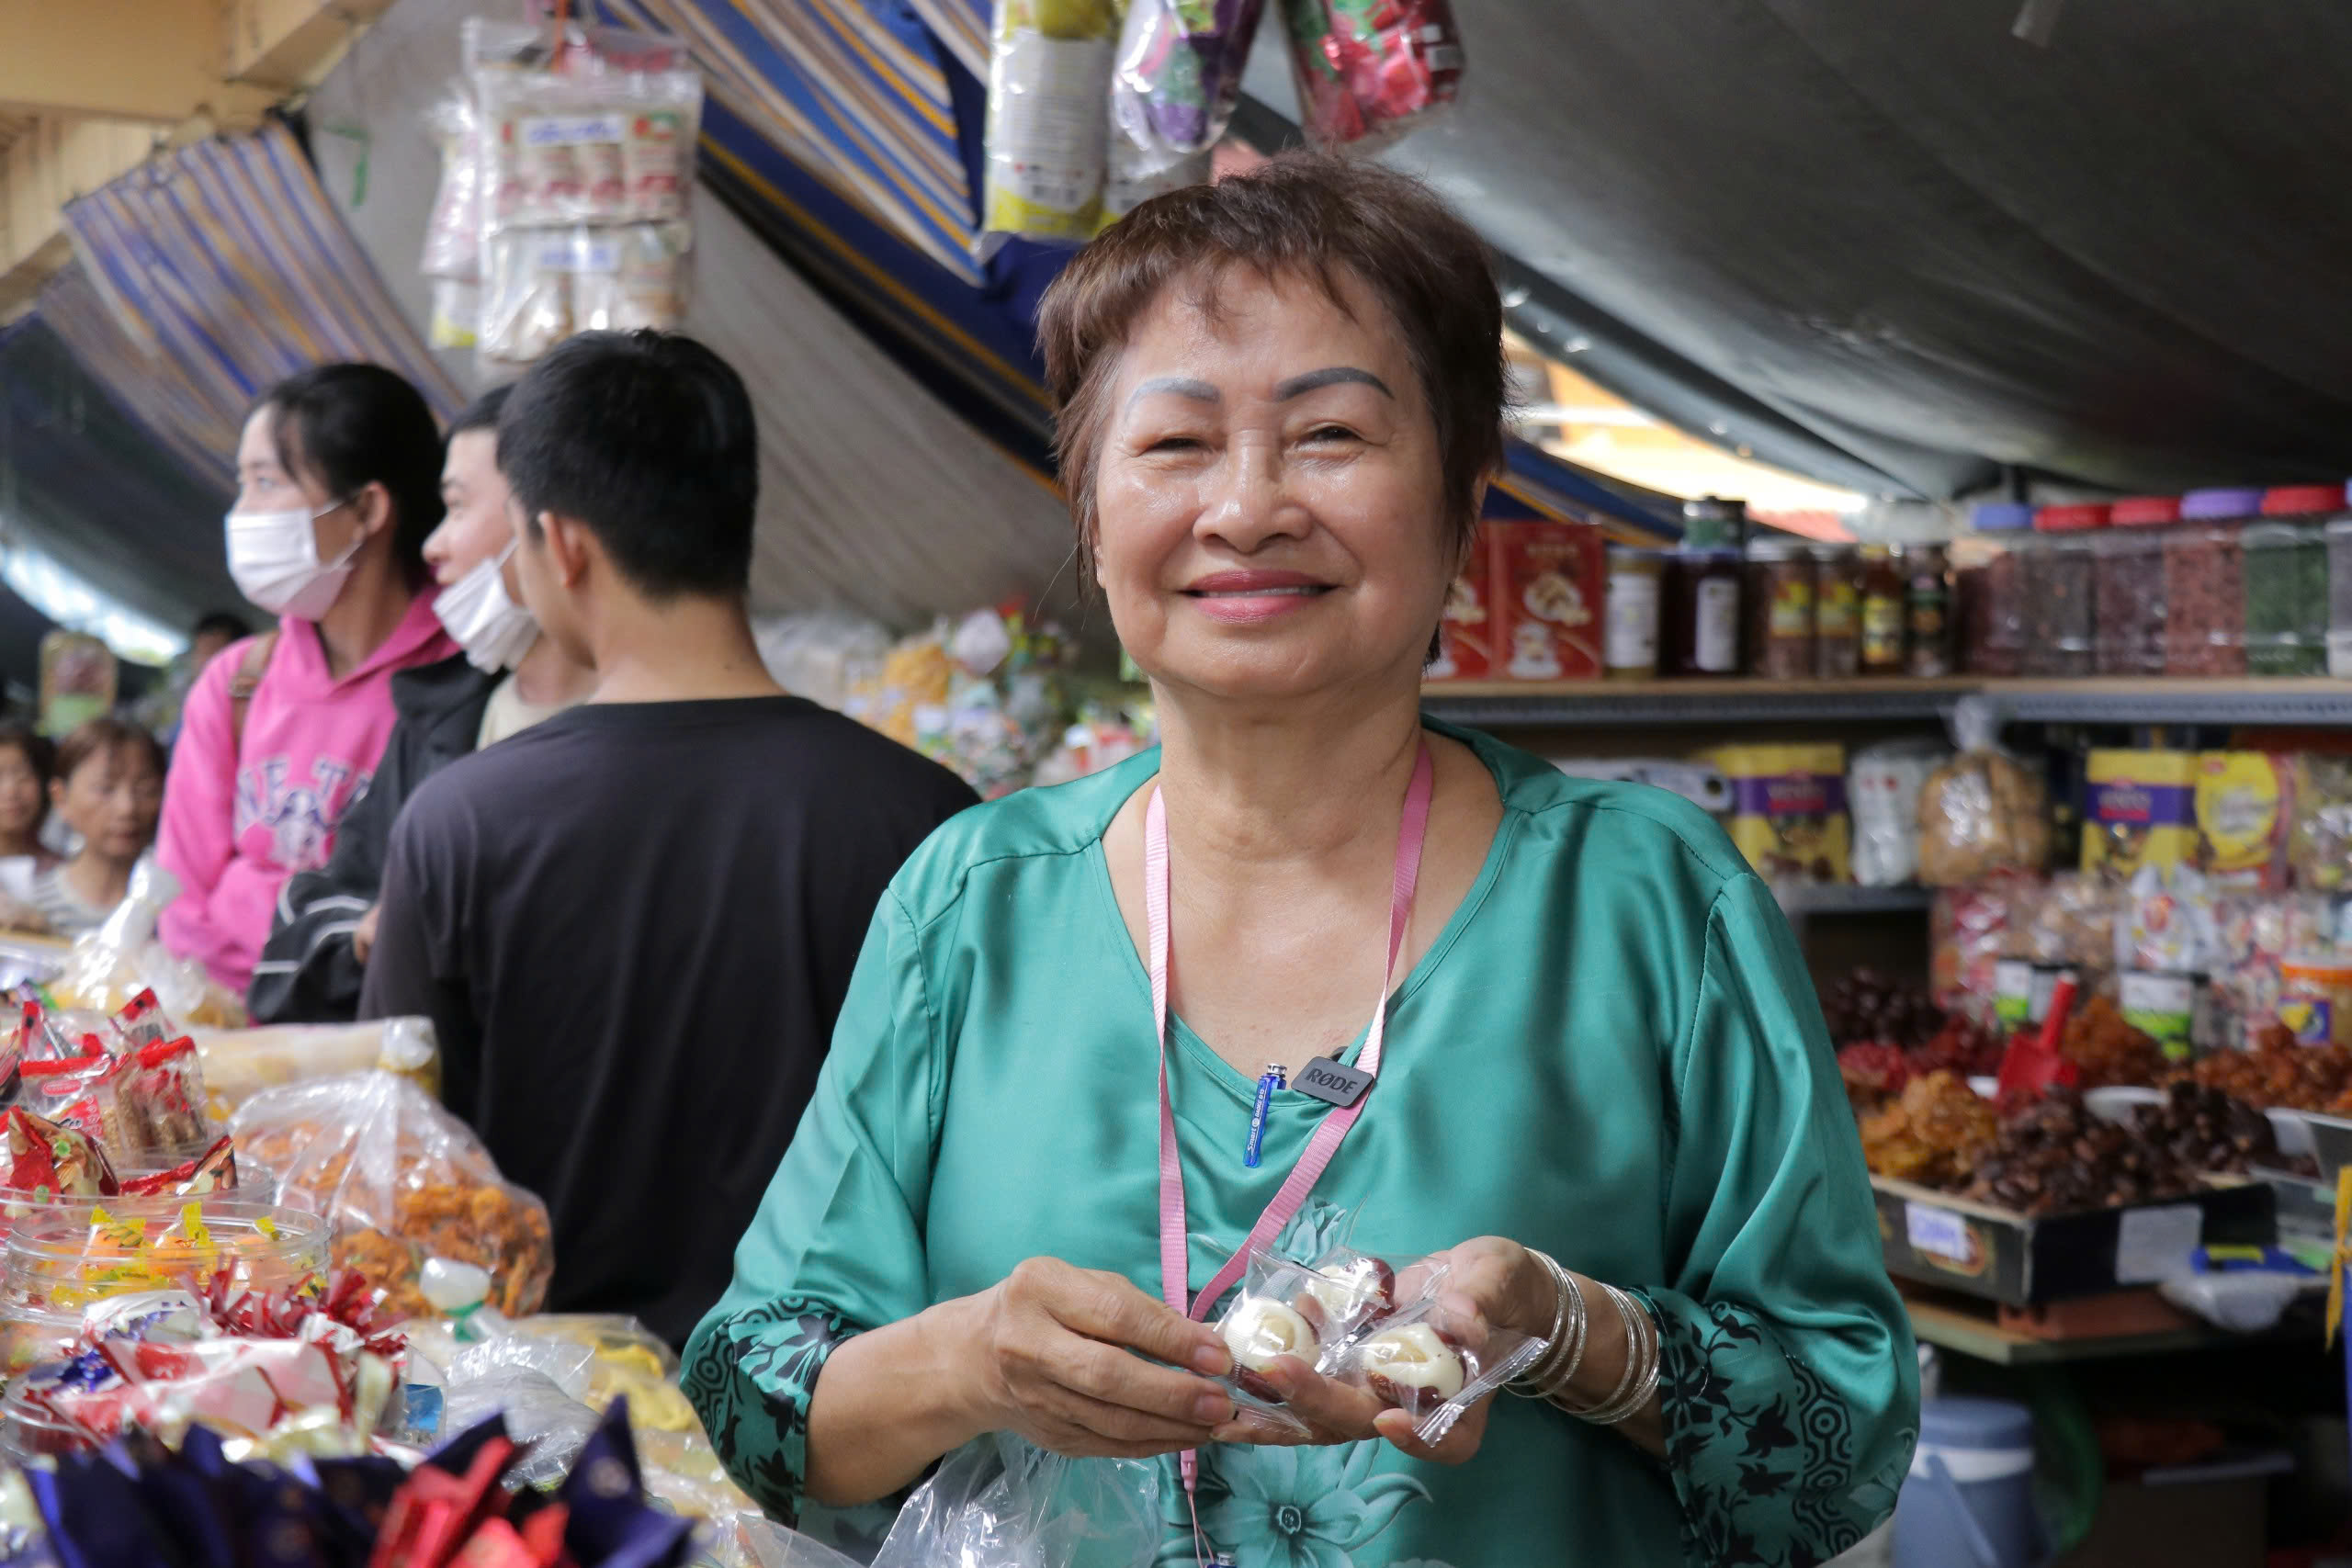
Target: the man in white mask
(508, 677)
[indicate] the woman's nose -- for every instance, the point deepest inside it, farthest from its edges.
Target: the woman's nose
(1250, 505)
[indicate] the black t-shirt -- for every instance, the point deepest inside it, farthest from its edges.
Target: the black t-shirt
(632, 926)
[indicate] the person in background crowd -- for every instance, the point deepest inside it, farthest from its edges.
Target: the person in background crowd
(338, 475)
(109, 790)
(28, 763)
(325, 924)
(211, 638)
(651, 901)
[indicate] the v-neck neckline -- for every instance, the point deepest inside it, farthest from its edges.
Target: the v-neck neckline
(1191, 1044)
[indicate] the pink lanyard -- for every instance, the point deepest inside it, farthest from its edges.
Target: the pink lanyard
(1174, 1263)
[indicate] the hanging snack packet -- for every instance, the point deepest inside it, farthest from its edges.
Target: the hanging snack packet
(1049, 69)
(1371, 70)
(1178, 74)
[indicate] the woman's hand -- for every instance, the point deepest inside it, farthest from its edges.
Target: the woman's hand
(1490, 1283)
(1054, 1358)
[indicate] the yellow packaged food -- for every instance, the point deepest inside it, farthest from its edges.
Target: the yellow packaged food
(1788, 810)
(2243, 812)
(2143, 812)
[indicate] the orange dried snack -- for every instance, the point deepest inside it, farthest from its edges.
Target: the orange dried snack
(1933, 1135)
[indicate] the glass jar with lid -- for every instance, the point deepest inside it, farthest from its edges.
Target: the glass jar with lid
(2339, 588)
(1715, 522)
(1778, 600)
(1838, 611)
(1931, 645)
(1629, 640)
(2128, 585)
(1988, 575)
(1703, 620)
(2061, 624)
(1884, 593)
(2205, 583)
(2285, 577)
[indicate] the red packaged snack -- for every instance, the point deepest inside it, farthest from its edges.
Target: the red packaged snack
(215, 1170)
(1549, 590)
(141, 1022)
(159, 1102)
(1371, 70)
(79, 1093)
(48, 1160)
(39, 1035)
(1466, 635)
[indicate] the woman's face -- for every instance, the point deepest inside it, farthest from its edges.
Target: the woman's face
(475, 525)
(113, 800)
(21, 805)
(265, 484)
(1269, 493)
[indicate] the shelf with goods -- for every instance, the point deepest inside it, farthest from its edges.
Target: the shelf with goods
(1700, 703)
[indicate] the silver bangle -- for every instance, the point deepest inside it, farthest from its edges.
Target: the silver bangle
(1644, 1354)
(1568, 1340)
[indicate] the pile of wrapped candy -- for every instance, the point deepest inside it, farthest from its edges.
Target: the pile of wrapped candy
(274, 1372)
(141, 1506)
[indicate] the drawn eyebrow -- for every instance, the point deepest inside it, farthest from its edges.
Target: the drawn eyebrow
(1332, 375)
(1181, 386)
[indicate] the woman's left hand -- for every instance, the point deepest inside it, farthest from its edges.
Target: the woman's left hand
(1490, 1283)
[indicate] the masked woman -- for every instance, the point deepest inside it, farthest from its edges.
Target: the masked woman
(338, 477)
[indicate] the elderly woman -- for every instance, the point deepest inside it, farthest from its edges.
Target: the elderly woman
(1600, 1084)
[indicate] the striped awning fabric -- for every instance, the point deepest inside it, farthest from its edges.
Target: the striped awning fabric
(859, 91)
(220, 268)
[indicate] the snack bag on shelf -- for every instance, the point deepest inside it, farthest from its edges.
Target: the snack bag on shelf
(1982, 812)
(1883, 789)
(1178, 74)
(1970, 931)
(1789, 809)
(2257, 934)
(2319, 845)
(241, 1062)
(403, 1182)
(1466, 632)
(2245, 803)
(2143, 811)
(1369, 71)
(1048, 133)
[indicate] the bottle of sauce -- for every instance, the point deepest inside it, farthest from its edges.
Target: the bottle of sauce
(1885, 610)
(1927, 614)
(1837, 612)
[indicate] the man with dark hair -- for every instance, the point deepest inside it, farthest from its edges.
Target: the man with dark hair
(211, 636)
(632, 926)
(507, 679)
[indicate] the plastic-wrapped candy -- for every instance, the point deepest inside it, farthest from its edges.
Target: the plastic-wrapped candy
(1179, 76)
(43, 1160)
(1049, 69)
(1371, 71)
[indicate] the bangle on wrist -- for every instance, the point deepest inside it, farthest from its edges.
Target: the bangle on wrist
(1638, 1383)
(1566, 1345)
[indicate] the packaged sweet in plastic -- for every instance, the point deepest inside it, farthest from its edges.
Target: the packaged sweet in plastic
(1178, 74)
(453, 232)
(1049, 73)
(159, 1102)
(1371, 71)
(1434, 1364)
(1984, 811)
(49, 1161)
(403, 1180)
(81, 1093)
(214, 1170)
(141, 1022)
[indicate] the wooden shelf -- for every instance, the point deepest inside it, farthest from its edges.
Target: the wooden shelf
(1835, 899)
(1505, 705)
(1969, 1334)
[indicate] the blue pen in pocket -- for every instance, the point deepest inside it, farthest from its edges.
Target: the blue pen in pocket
(1275, 1077)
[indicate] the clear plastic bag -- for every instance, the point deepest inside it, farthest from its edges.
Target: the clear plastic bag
(1434, 1363)
(764, 1543)
(1310, 1310)
(1982, 812)
(1883, 785)
(1369, 71)
(1178, 76)
(112, 965)
(403, 1180)
(1049, 76)
(540, 1415)
(1000, 1503)
(241, 1062)
(452, 231)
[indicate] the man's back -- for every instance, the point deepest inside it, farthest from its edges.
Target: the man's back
(633, 927)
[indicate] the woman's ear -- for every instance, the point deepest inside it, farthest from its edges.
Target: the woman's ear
(374, 506)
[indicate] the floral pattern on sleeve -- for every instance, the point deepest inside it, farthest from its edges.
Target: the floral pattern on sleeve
(752, 1384)
(1761, 1449)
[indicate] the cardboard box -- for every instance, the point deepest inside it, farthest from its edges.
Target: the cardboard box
(1465, 637)
(1550, 589)
(2023, 1261)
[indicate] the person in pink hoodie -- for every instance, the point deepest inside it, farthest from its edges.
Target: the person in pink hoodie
(338, 477)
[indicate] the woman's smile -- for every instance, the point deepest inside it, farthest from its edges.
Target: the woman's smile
(1247, 598)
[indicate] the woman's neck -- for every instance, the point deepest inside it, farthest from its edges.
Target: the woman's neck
(547, 677)
(368, 611)
(12, 845)
(1249, 788)
(99, 881)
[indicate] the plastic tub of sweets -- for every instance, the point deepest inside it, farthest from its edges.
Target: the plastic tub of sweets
(63, 1260)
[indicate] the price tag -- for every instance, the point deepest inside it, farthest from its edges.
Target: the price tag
(1939, 1233)
(2152, 1243)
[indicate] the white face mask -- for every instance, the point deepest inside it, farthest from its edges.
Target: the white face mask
(274, 559)
(494, 631)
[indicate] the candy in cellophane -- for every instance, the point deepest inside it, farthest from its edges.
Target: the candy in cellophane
(160, 1105)
(41, 1159)
(80, 1092)
(1371, 71)
(1435, 1361)
(1178, 76)
(1312, 1312)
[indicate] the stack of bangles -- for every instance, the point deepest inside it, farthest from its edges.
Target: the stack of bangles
(1549, 1378)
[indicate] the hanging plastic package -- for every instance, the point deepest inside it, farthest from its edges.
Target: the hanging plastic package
(1180, 76)
(999, 1503)
(1049, 69)
(1371, 70)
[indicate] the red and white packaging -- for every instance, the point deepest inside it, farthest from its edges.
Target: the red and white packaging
(1466, 646)
(1550, 589)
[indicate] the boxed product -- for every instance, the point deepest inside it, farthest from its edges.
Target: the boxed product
(1789, 809)
(2245, 817)
(1465, 637)
(2143, 811)
(1549, 590)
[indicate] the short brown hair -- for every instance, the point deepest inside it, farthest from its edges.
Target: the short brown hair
(1305, 215)
(104, 736)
